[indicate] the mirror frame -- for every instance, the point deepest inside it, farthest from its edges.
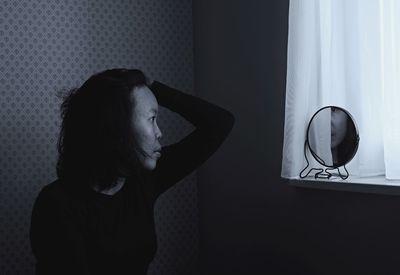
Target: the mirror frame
(315, 156)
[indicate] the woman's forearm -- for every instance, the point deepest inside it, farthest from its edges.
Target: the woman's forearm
(202, 114)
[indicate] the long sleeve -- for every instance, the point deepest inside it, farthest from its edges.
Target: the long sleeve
(213, 124)
(56, 240)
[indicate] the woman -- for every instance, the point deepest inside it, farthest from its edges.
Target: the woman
(97, 217)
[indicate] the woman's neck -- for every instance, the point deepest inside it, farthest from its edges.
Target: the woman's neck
(111, 190)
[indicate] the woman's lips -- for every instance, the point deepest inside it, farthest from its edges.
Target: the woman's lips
(157, 154)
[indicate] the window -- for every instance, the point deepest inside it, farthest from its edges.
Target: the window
(345, 53)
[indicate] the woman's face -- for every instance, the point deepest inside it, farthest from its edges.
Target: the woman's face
(145, 128)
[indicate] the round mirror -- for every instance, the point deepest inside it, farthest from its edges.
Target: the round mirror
(332, 136)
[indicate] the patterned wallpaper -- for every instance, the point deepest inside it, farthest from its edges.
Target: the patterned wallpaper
(50, 45)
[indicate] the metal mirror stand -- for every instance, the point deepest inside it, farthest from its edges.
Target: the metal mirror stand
(322, 173)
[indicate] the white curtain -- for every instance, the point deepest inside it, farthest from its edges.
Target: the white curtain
(345, 53)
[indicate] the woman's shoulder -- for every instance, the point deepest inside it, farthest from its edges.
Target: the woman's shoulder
(53, 204)
(53, 189)
(58, 192)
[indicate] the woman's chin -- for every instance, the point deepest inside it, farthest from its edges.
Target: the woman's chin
(149, 164)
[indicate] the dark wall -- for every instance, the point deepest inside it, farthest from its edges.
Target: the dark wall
(251, 221)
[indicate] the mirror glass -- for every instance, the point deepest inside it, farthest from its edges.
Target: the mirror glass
(332, 136)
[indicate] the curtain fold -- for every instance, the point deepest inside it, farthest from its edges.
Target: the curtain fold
(345, 53)
(390, 74)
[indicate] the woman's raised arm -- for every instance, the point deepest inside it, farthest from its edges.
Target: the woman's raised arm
(213, 124)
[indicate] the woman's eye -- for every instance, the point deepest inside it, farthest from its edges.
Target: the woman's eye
(153, 118)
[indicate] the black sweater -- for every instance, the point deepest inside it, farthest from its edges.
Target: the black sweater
(81, 231)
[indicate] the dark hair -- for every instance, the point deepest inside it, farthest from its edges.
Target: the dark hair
(346, 149)
(96, 140)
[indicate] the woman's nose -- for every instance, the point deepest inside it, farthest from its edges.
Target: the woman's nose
(158, 133)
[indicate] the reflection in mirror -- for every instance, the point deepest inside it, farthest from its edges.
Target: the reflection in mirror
(332, 137)
(343, 137)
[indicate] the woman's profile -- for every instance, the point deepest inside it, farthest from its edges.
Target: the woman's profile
(97, 217)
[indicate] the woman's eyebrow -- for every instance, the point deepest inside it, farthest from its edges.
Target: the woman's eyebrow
(153, 110)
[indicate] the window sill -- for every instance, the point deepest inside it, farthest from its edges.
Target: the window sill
(374, 185)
